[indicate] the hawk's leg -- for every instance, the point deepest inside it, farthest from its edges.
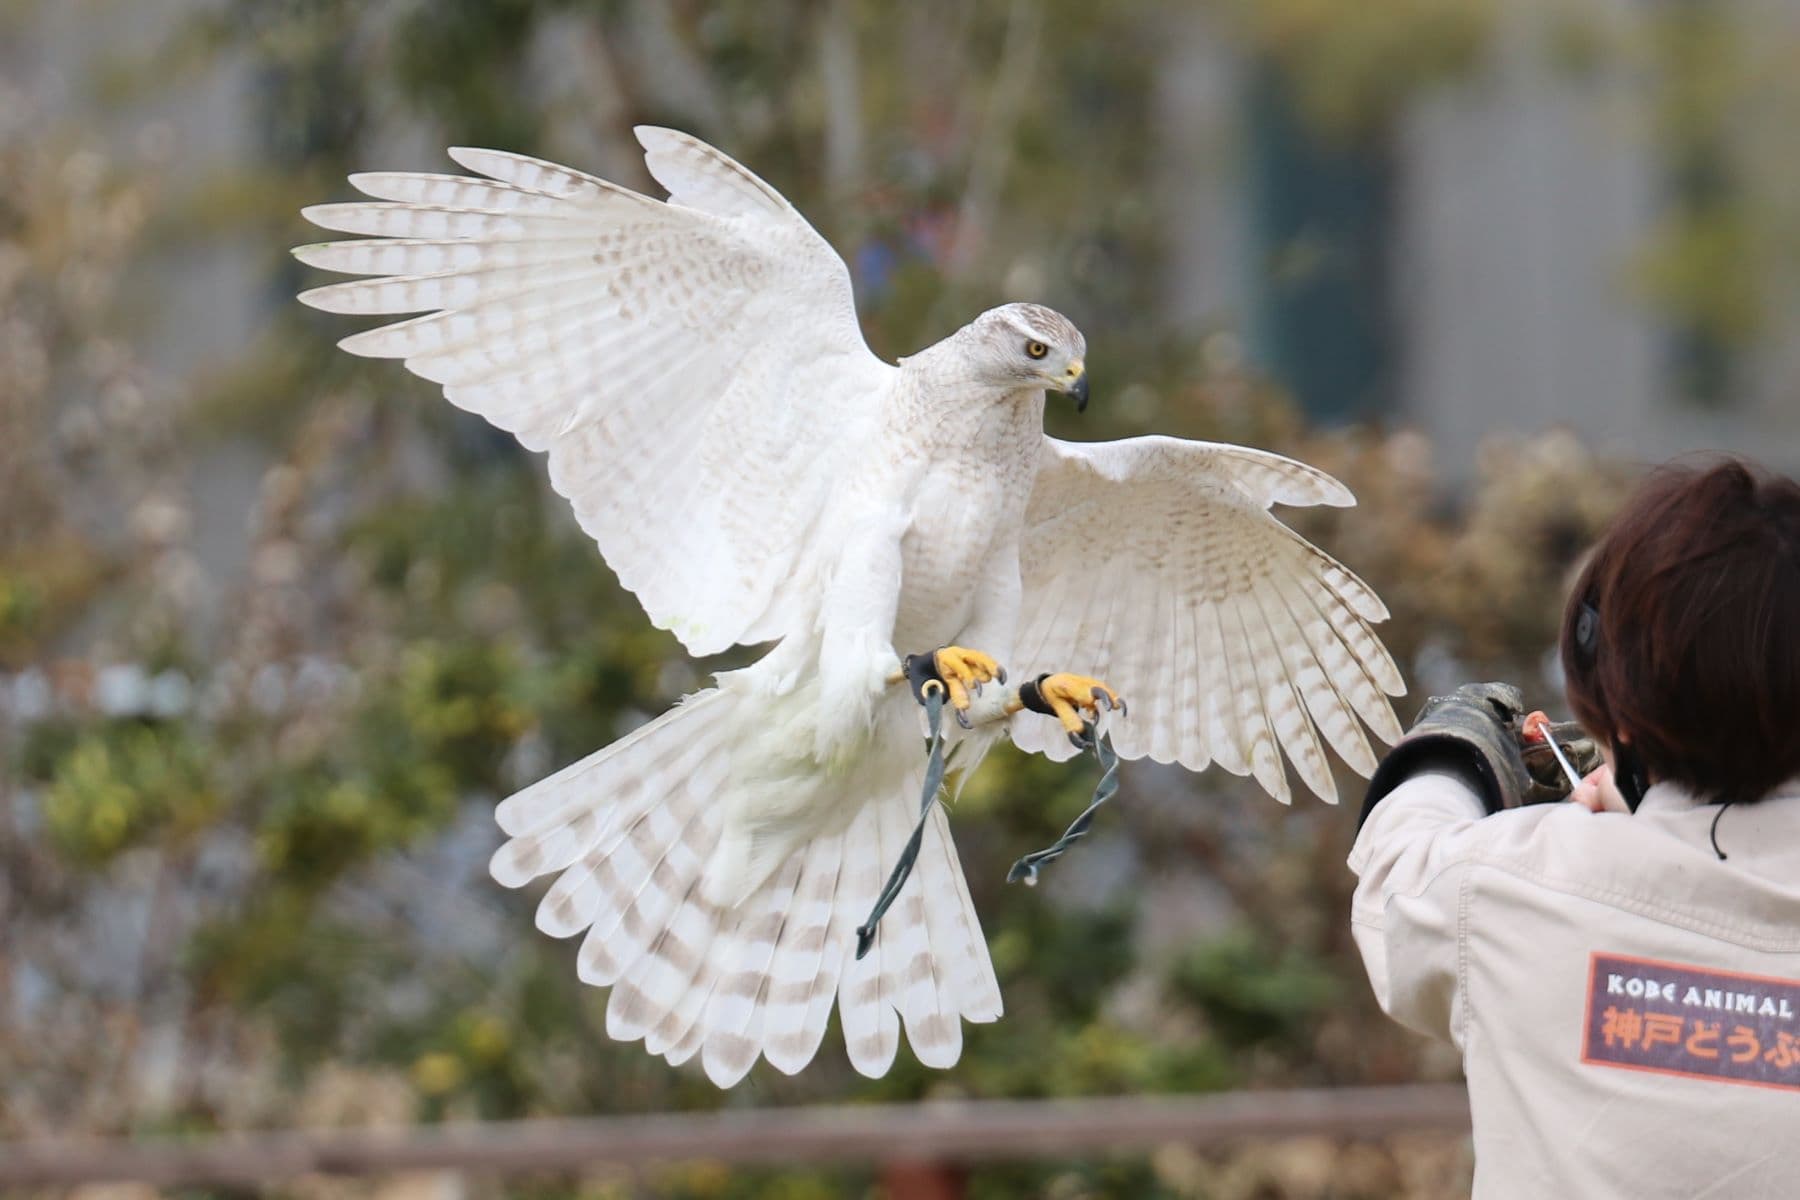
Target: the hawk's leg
(1066, 697)
(958, 671)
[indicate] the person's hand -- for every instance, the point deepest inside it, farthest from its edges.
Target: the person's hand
(1598, 793)
(1548, 779)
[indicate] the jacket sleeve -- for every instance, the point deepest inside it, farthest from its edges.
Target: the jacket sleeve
(1412, 859)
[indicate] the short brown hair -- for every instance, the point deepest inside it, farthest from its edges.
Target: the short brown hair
(1693, 648)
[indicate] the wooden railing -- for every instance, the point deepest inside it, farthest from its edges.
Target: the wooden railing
(919, 1147)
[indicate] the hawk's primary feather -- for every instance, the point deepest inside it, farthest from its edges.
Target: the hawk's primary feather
(594, 323)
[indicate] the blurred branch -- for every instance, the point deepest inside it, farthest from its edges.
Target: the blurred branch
(939, 1132)
(840, 75)
(993, 147)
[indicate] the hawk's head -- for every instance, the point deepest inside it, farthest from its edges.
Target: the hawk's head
(1021, 346)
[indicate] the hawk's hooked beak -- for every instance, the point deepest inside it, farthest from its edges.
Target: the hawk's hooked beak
(1075, 383)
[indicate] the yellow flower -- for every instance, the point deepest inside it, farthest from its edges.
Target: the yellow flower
(437, 1073)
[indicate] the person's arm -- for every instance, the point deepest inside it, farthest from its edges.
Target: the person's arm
(1463, 759)
(1410, 859)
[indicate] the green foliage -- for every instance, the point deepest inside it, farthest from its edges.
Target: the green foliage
(21, 609)
(488, 38)
(1251, 993)
(312, 980)
(439, 724)
(451, 702)
(125, 784)
(1073, 958)
(319, 825)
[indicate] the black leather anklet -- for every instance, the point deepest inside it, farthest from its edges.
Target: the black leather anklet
(1033, 698)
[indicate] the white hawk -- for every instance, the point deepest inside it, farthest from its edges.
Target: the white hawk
(696, 373)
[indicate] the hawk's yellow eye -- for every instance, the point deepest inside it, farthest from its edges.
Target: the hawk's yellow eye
(1036, 349)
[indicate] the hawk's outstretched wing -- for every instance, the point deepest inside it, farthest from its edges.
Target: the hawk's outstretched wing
(690, 366)
(1154, 564)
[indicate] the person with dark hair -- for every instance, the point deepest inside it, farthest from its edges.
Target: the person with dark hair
(1621, 973)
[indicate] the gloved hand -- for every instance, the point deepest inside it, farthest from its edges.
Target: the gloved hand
(1478, 731)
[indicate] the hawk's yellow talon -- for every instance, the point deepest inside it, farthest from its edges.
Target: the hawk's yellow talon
(962, 669)
(1069, 695)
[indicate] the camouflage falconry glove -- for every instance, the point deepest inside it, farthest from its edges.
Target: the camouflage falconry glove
(1478, 732)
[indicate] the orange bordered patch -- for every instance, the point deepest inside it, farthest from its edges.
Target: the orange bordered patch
(1681, 1019)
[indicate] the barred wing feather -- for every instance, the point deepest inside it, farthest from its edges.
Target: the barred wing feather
(1155, 564)
(590, 321)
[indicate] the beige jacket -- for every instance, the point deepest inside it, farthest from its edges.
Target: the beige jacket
(1626, 1004)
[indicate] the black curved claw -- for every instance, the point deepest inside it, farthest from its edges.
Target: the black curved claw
(1102, 700)
(962, 718)
(1000, 674)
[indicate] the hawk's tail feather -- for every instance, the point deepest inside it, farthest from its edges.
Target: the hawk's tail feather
(734, 1009)
(929, 1007)
(809, 959)
(867, 994)
(955, 930)
(631, 831)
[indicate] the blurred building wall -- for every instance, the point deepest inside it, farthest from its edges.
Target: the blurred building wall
(71, 61)
(1527, 191)
(1197, 85)
(1521, 206)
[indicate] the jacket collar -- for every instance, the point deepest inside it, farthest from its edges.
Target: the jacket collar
(1672, 797)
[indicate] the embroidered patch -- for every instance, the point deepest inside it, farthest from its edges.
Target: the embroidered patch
(1681, 1019)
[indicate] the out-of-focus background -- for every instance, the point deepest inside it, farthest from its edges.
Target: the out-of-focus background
(278, 627)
